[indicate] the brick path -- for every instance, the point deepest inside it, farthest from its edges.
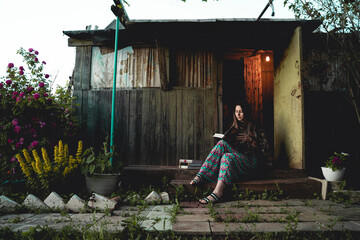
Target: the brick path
(195, 219)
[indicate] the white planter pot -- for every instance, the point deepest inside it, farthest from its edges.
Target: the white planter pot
(103, 184)
(331, 175)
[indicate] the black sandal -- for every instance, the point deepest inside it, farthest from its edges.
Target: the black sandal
(207, 200)
(195, 181)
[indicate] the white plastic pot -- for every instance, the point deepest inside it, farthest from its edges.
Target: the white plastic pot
(331, 175)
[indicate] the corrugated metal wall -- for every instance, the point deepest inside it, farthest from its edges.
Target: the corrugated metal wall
(152, 126)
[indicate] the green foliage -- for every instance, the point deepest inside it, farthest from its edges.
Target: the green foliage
(174, 211)
(251, 195)
(31, 116)
(337, 161)
(340, 20)
(45, 174)
(292, 221)
(252, 216)
(100, 162)
(343, 197)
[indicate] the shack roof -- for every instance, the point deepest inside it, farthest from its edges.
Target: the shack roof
(201, 31)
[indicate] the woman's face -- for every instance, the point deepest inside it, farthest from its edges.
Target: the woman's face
(239, 113)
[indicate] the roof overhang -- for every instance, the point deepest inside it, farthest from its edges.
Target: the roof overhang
(245, 33)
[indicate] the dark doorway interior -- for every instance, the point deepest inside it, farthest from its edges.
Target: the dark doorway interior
(233, 88)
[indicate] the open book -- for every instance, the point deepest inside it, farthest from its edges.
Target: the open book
(218, 135)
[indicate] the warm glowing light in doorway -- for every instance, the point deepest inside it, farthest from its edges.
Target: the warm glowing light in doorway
(267, 58)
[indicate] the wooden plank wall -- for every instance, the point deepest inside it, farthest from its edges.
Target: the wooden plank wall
(152, 126)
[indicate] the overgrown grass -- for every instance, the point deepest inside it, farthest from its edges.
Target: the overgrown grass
(133, 232)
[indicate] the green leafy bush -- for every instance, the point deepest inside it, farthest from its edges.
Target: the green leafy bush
(31, 116)
(100, 162)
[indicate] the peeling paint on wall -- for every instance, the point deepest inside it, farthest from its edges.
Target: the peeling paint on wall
(288, 107)
(136, 67)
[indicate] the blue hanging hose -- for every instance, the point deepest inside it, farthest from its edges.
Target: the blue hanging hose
(114, 89)
(15, 181)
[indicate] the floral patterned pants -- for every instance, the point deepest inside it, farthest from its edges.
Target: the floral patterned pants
(225, 164)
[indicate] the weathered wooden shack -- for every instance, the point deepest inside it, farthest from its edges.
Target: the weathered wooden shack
(179, 79)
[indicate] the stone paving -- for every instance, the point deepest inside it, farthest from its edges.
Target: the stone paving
(194, 219)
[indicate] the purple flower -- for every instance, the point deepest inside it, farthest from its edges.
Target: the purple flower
(30, 49)
(21, 72)
(18, 99)
(8, 82)
(41, 84)
(21, 68)
(47, 75)
(10, 65)
(21, 94)
(45, 94)
(1, 85)
(21, 140)
(10, 140)
(36, 59)
(15, 122)
(30, 89)
(13, 159)
(42, 124)
(15, 93)
(17, 129)
(36, 52)
(18, 144)
(36, 96)
(44, 62)
(34, 144)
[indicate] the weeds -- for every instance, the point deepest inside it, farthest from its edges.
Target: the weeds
(174, 211)
(271, 195)
(292, 221)
(252, 216)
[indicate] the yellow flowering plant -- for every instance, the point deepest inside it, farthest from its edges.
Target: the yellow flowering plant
(43, 173)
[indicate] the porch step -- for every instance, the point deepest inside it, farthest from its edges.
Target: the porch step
(291, 187)
(174, 172)
(294, 183)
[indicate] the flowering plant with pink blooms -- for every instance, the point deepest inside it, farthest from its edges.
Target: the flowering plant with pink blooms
(31, 116)
(337, 161)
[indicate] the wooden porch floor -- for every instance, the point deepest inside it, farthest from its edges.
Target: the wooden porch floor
(294, 183)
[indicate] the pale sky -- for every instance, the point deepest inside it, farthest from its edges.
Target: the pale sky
(39, 24)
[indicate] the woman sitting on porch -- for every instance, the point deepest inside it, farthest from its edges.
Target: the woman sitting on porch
(241, 151)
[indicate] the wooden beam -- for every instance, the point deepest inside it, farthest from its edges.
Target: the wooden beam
(72, 42)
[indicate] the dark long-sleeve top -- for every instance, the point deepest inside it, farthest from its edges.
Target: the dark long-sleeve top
(259, 148)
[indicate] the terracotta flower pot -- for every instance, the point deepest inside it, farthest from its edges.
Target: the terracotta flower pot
(331, 175)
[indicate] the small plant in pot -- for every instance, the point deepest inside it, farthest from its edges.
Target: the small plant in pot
(334, 169)
(101, 176)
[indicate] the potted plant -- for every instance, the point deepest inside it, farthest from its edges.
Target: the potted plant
(101, 176)
(334, 167)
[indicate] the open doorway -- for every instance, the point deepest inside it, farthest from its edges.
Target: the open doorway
(233, 88)
(248, 76)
